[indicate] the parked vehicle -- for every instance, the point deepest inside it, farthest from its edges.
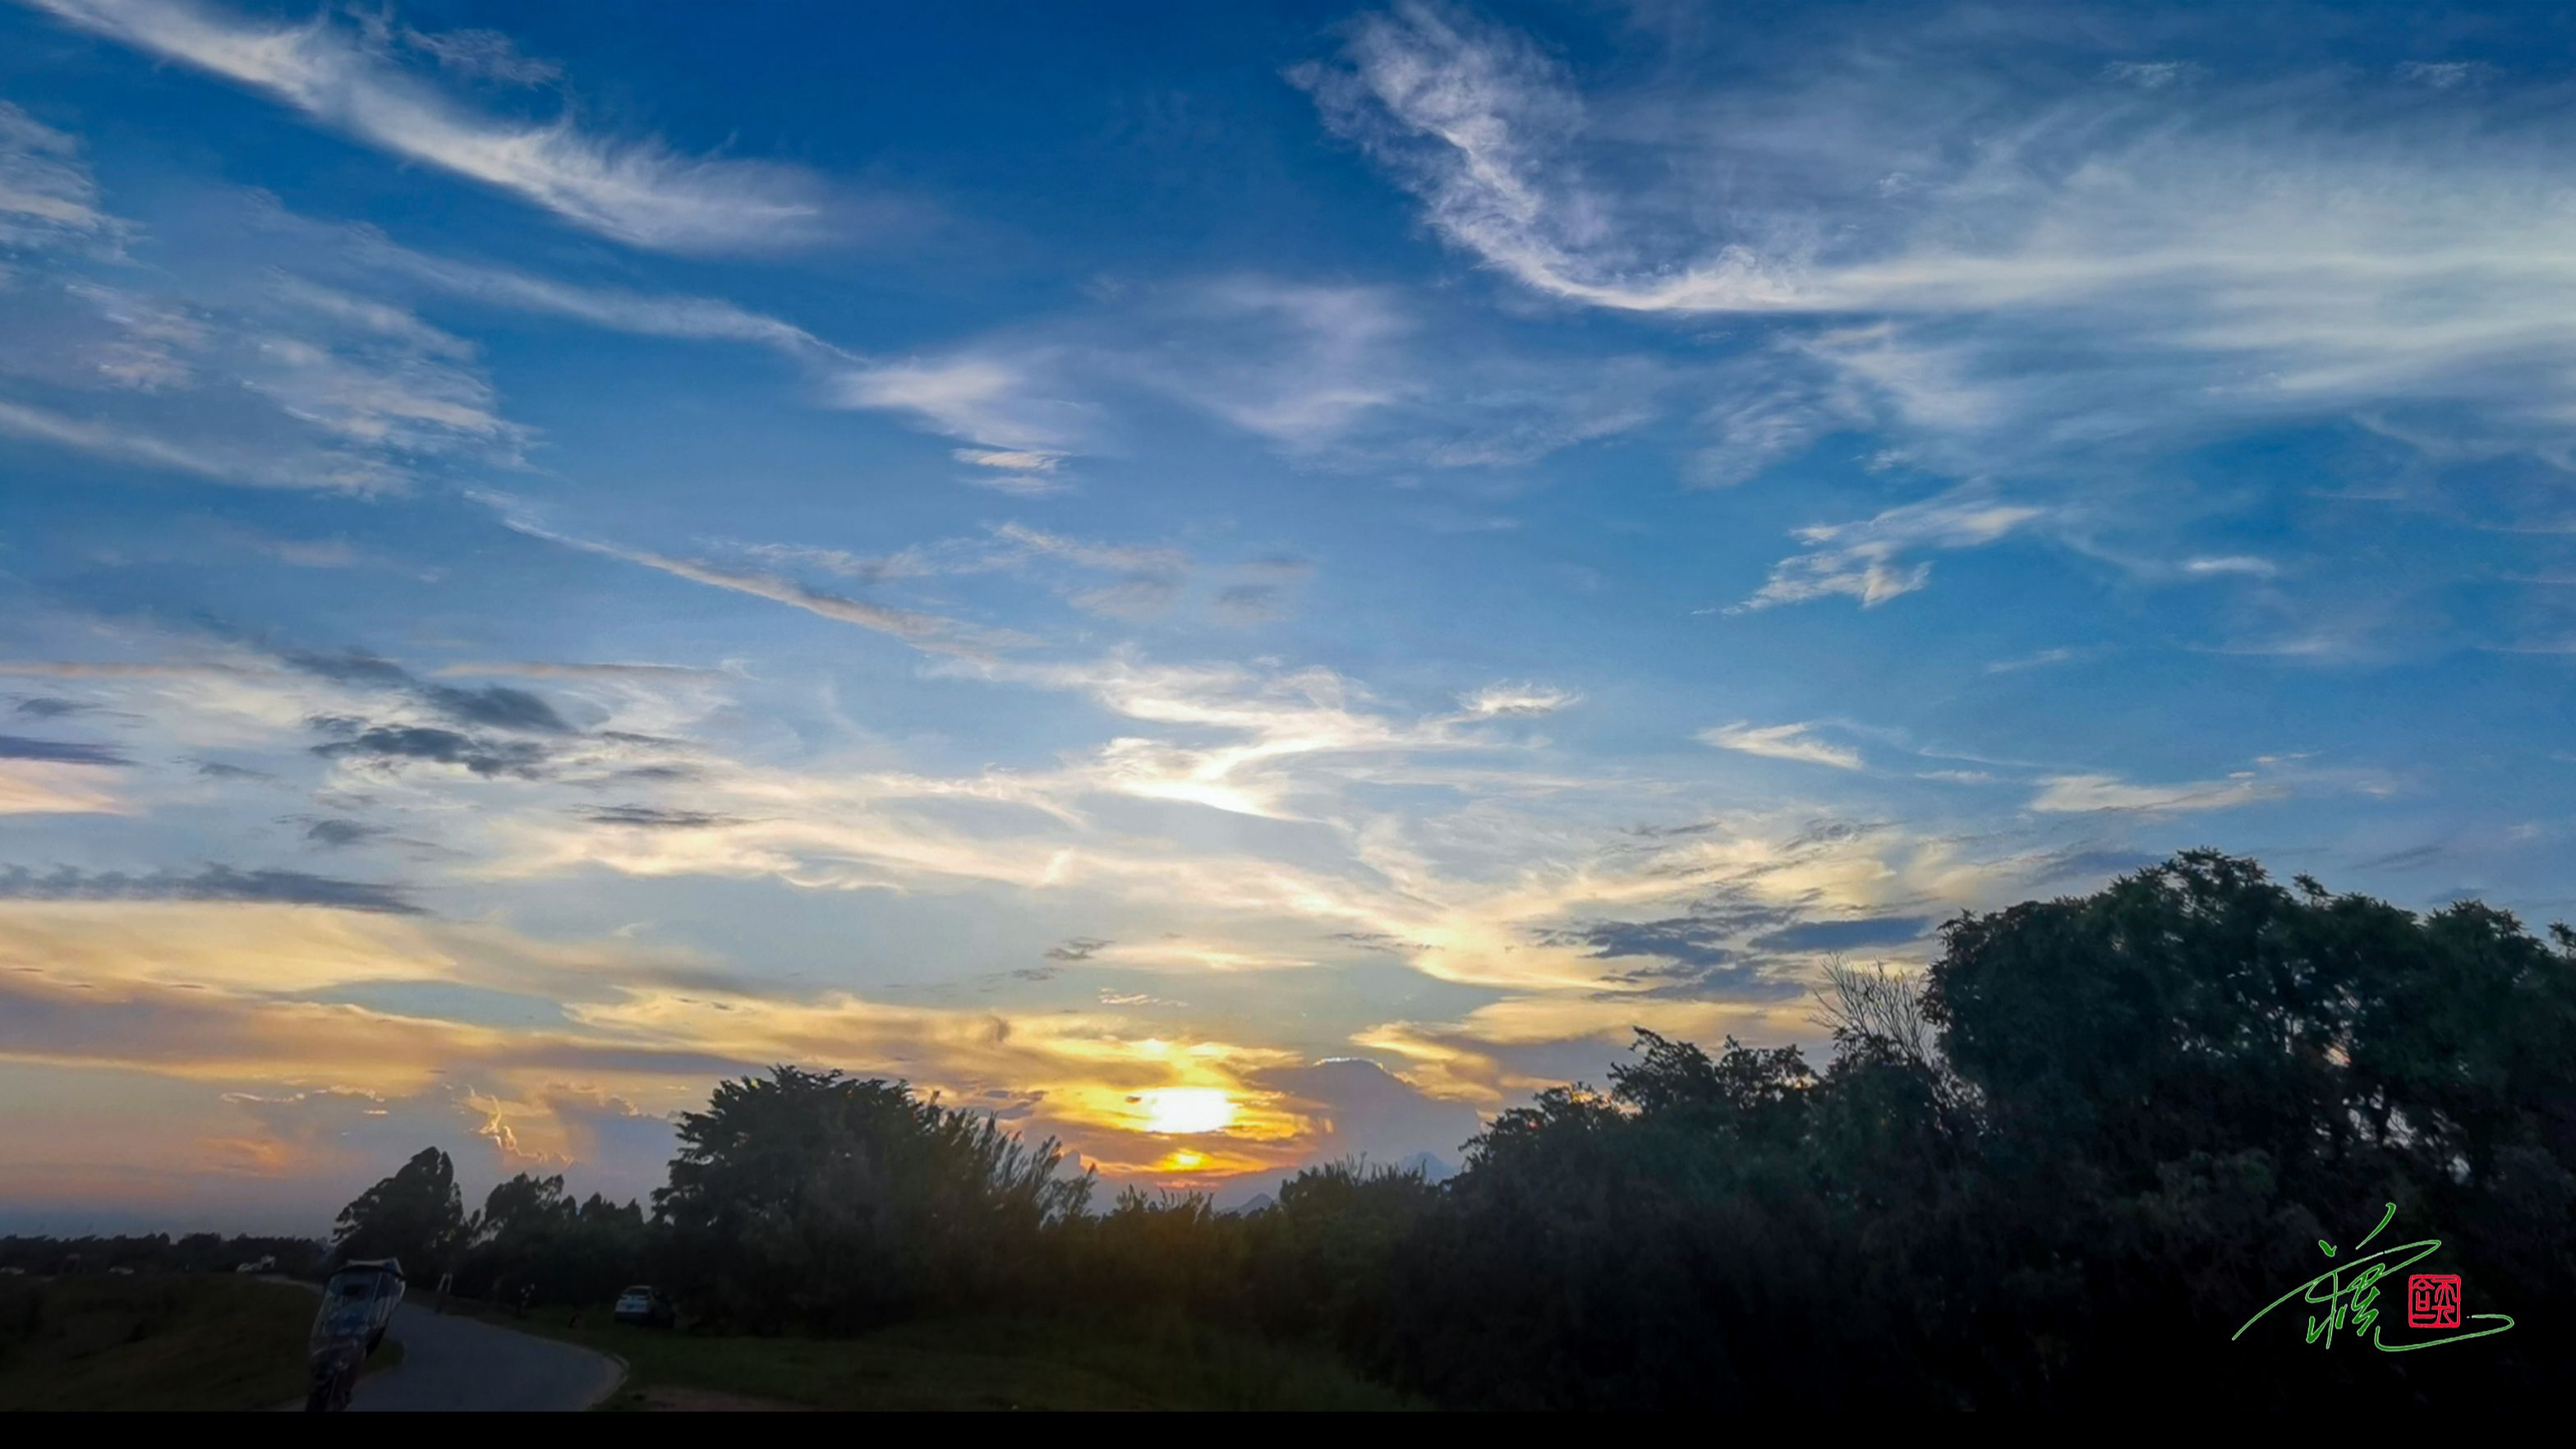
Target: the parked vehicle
(356, 1305)
(643, 1303)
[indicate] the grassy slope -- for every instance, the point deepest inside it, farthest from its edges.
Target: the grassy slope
(201, 1341)
(975, 1364)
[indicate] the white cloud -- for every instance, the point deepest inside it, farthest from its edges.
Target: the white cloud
(2045, 270)
(1009, 462)
(2151, 75)
(1005, 404)
(2066, 794)
(2220, 565)
(483, 55)
(2038, 659)
(1498, 701)
(615, 309)
(47, 197)
(244, 374)
(636, 191)
(929, 632)
(1781, 742)
(1868, 560)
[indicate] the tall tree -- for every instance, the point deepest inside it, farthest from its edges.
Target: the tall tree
(417, 1215)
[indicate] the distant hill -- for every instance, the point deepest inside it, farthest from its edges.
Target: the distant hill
(1431, 1168)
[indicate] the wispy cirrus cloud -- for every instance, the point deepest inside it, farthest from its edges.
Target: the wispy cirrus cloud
(2043, 276)
(2065, 794)
(47, 197)
(634, 190)
(227, 367)
(929, 632)
(1781, 742)
(1872, 560)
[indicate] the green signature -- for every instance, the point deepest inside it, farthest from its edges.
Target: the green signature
(2353, 1304)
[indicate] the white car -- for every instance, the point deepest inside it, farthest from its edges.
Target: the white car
(644, 1303)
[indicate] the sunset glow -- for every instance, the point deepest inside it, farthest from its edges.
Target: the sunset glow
(1233, 593)
(1186, 1110)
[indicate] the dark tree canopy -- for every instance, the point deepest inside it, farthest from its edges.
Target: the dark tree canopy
(416, 1215)
(815, 1197)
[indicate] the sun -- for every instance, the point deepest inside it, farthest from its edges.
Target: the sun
(1182, 1110)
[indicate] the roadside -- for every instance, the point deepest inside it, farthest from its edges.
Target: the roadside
(173, 1341)
(988, 1363)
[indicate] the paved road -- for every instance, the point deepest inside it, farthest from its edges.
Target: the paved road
(451, 1362)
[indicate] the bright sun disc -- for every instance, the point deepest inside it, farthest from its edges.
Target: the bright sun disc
(1186, 1109)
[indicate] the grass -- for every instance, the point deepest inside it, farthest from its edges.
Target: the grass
(980, 1363)
(172, 1341)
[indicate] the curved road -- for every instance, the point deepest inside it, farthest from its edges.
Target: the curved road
(451, 1362)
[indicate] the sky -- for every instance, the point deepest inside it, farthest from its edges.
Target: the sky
(1234, 585)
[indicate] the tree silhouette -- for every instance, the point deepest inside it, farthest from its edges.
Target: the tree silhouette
(2056, 1169)
(416, 1215)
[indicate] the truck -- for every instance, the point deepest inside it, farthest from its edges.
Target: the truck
(357, 1303)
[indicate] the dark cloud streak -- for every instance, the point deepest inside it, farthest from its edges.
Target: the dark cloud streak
(214, 883)
(58, 752)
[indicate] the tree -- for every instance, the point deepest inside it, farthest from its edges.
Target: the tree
(416, 1215)
(2200, 1007)
(534, 1242)
(842, 1203)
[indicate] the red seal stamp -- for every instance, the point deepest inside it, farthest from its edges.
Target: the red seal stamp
(2433, 1300)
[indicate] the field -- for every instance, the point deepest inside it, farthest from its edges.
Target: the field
(192, 1341)
(966, 1364)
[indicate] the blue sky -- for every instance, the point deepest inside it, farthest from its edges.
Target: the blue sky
(1236, 585)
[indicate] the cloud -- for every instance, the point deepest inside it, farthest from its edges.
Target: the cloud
(1363, 1111)
(47, 197)
(1008, 405)
(2011, 265)
(1350, 376)
(2072, 793)
(60, 752)
(1009, 462)
(615, 309)
(2151, 75)
(482, 55)
(2038, 659)
(341, 834)
(35, 787)
(218, 364)
(1496, 701)
(478, 754)
(928, 632)
(563, 669)
(654, 817)
(495, 705)
(217, 461)
(213, 883)
(2443, 75)
(1845, 935)
(1780, 742)
(1868, 560)
(634, 191)
(1519, 1045)
(1693, 942)
(2242, 565)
